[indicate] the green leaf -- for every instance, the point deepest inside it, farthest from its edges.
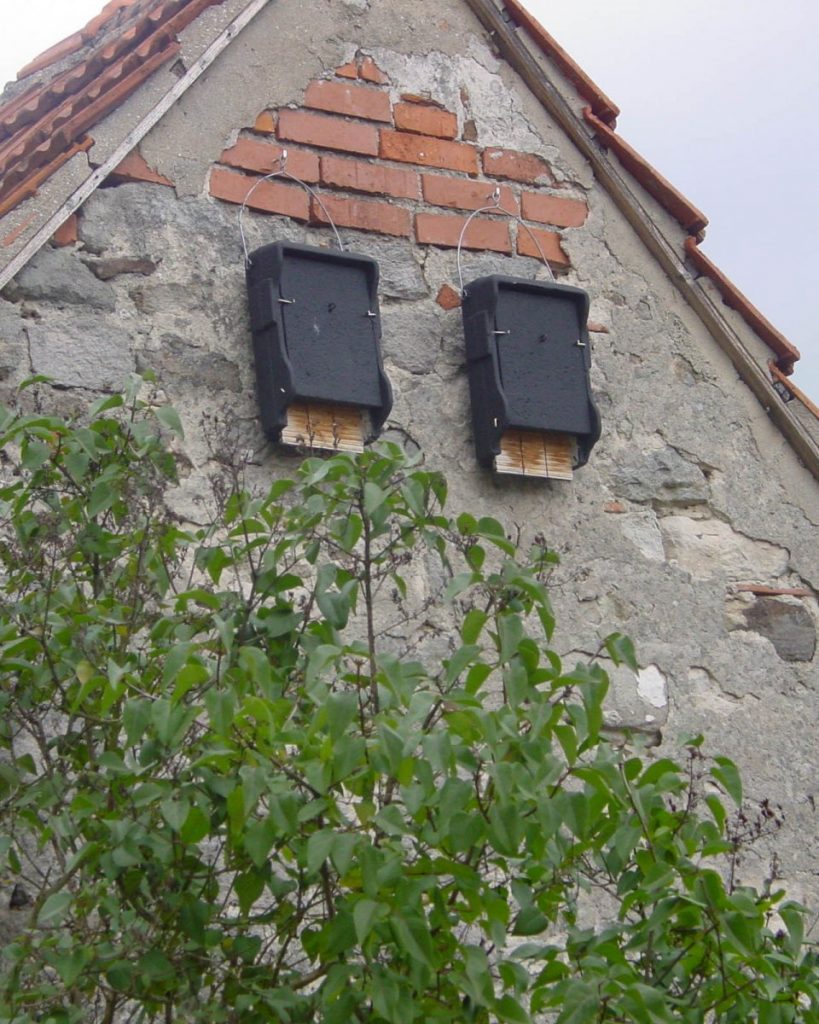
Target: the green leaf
(70, 965)
(54, 909)
(319, 848)
(248, 888)
(365, 914)
(458, 584)
(621, 651)
(155, 965)
(195, 827)
(374, 497)
(169, 417)
(530, 921)
(258, 840)
(727, 776)
(473, 624)
(175, 812)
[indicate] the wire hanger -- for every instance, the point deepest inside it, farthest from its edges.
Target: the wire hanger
(495, 207)
(282, 172)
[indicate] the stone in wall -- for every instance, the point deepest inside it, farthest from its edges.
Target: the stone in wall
(177, 359)
(710, 547)
(663, 476)
(643, 530)
(56, 276)
(81, 351)
(787, 623)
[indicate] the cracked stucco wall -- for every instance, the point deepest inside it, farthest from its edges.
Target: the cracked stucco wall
(690, 496)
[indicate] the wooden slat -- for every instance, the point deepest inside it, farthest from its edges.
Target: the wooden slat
(536, 453)
(337, 428)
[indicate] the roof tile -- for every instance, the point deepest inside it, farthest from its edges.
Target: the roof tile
(123, 46)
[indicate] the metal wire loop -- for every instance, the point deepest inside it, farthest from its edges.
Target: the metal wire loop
(495, 207)
(282, 172)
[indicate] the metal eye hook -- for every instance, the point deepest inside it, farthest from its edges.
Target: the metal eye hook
(281, 172)
(495, 207)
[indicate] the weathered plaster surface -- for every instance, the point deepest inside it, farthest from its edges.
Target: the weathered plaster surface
(689, 492)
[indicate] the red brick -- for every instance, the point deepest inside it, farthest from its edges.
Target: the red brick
(269, 197)
(448, 298)
(445, 230)
(549, 242)
(460, 194)
(265, 123)
(371, 72)
(347, 71)
(329, 132)
(363, 214)
(425, 119)
(362, 176)
(614, 506)
(135, 168)
(351, 100)
(563, 213)
(508, 163)
(596, 328)
(67, 233)
(428, 152)
(255, 155)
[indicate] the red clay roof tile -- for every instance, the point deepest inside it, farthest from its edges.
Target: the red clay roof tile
(115, 53)
(787, 354)
(684, 211)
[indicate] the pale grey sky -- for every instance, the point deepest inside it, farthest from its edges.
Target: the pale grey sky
(717, 95)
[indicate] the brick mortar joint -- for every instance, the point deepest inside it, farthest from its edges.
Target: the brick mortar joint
(423, 205)
(518, 188)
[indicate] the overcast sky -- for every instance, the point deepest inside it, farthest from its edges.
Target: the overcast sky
(717, 94)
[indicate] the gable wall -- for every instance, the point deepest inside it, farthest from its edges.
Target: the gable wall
(691, 500)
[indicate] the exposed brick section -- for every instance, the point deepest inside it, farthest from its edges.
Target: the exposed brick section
(363, 214)
(371, 72)
(135, 168)
(347, 71)
(563, 213)
(68, 232)
(508, 163)
(329, 132)
(447, 297)
(465, 195)
(428, 152)
(362, 176)
(614, 506)
(269, 197)
(445, 230)
(425, 119)
(549, 242)
(351, 100)
(255, 155)
(596, 328)
(265, 123)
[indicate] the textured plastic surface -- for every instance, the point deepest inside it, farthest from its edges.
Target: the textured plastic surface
(528, 359)
(316, 331)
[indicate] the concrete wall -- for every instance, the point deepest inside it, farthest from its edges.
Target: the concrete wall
(693, 528)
